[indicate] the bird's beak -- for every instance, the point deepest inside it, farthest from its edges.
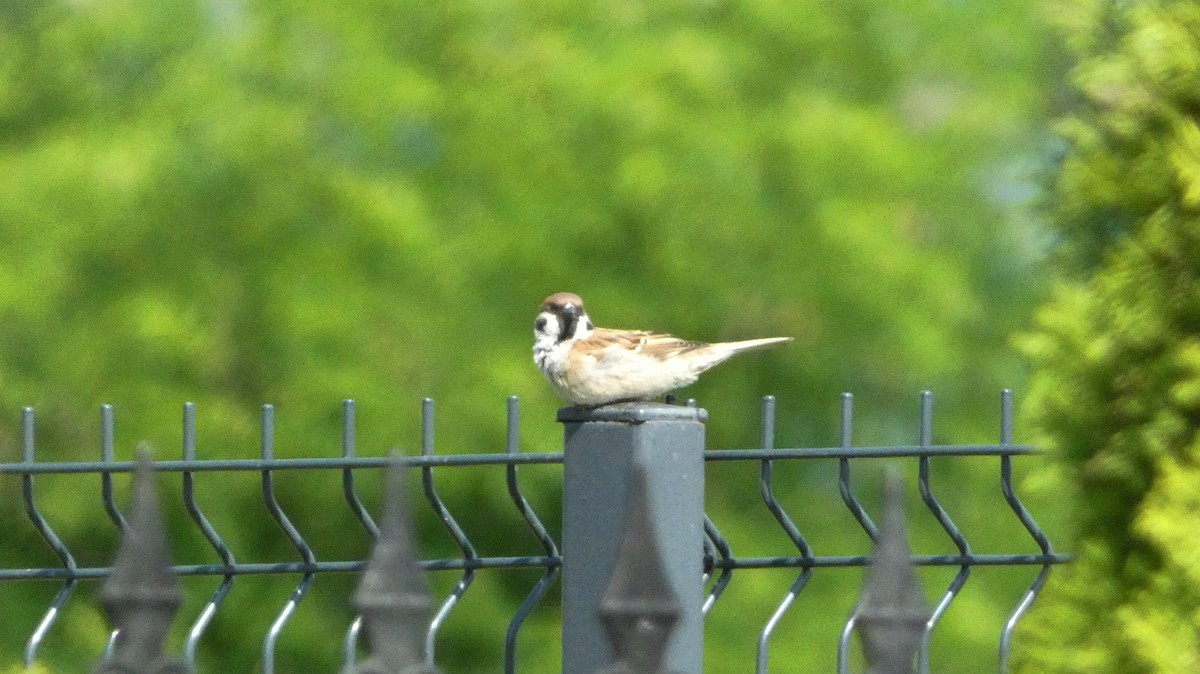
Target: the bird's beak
(570, 318)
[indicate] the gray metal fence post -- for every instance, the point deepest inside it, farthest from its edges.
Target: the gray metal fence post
(600, 447)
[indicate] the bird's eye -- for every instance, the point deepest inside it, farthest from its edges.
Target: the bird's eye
(540, 324)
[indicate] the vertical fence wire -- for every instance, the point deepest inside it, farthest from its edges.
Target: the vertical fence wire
(108, 455)
(718, 543)
(289, 530)
(513, 447)
(350, 451)
(456, 532)
(931, 502)
(48, 535)
(766, 485)
(210, 534)
(350, 492)
(846, 442)
(716, 547)
(1031, 525)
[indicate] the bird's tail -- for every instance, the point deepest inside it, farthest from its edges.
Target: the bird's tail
(715, 354)
(750, 344)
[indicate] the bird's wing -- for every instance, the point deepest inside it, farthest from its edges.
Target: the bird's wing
(655, 345)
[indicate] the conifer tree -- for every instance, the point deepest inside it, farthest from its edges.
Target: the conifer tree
(1116, 398)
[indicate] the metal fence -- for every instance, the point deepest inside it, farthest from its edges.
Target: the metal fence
(638, 549)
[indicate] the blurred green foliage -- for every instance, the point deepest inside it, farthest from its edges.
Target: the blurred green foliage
(237, 202)
(1117, 391)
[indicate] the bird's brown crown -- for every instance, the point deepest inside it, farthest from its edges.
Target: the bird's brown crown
(559, 300)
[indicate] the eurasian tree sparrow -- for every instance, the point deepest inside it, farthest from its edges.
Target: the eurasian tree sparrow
(592, 366)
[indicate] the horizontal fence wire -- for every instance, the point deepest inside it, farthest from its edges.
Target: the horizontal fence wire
(719, 559)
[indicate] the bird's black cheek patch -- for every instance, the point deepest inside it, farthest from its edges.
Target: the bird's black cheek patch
(540, 324)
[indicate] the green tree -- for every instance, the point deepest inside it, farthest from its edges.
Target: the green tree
(1116, 396)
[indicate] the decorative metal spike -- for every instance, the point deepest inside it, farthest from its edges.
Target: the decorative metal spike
(893, 612)
(393, 595)
(639, 609)
(141, 594)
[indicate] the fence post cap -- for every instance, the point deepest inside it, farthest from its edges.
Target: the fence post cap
(633, 413)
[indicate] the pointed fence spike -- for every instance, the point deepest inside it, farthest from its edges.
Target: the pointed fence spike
(639, 609)
(393, 595)
(141, 594)
(893, 612)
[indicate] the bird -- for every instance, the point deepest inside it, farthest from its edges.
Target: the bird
(589, 366)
